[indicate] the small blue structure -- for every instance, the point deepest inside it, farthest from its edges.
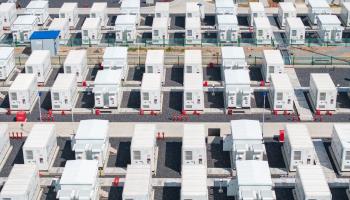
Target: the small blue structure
(45, 40)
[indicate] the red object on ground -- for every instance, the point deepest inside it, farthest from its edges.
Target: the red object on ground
(62, 112)
(84, 83)
(205, 84)
(229, 112)
(281, 136)
(116, 181)
(275, 112)
(262, 83)
(318, 112)
(141, 112)
(8, 112)
(163, 135)
(21, 116)
(183, 112)
(211, 65)
(49, 112)
(97, 112)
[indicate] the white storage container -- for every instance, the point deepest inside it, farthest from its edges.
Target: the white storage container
(341, 145)
(91, 31)
(318, 7)
(131, 7)
(40, 9)
(125, 28)
(285, 10)
(281, 93)
(143, 145)
(225, 7)
(193, 96)
(91, 141)
(23, 92)
(7, 61)
(298, 147)
(228, 29)
(107, 88)
(194, 182)
(311, 183)
(162, 9)
(262, 30)
(295, 30)
(233, 58)
(256, 9)
(99, 10)
(155, 63)
(237, 88)
(151, 92)
(253, 181)
(76, 63)
(4, 142)
(8, 14)
(160, 33)
(245, 141)
(194, 147)
(64, 92)
(23, 183)
(39, 64)
(23, 27)
(79, 180)
(62, 25)
(69, 10)
(323, 92)
(193, 62)
(345, 13)
(273, 63)
(329, 28)
(116, 58)
(138, 183)
(194, 10)
(40, 146)
(193, 30)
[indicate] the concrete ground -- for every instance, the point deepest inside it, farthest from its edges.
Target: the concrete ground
(15, 157)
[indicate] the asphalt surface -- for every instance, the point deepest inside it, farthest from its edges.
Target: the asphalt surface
(122, 157)
(339, 76)
(169, 158)
(65, 152)
(15, 157)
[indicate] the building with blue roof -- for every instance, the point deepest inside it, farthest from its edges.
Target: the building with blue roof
(45, 40)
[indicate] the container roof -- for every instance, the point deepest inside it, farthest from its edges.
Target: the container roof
(193, 81)
(346, 5)
(137, 180)
(92, 129)
(253, 173)
(298, 136)
(295, 22)
(192, 7)
(162, 6)
(256, 6)
(91, 23)
(5, 52)
(287, 6)
(329, 20)
(108, 77)
(79, 172)
(318, 4)
(323, 81)
(151, 81)
(44, 35)
(194, 136)
(193, 22)
(227, 19)
(22, 82)
(194, 180)
(75, 57)
(273, 57)
(59, 24)
(115, 52)
(160, 22)
(246, 129)
(26, 20)
(262, 22)
(6, 7)
(343, 132)
(37, 4)
(3, 129)
(64, 81)
(38, 57)
(237, 77)
(193, 57)
(40, 135)
(98, 7)
(313, 180)
(224, 4)
(68, 7)
(131, 4)
(281, 82)
(125, 19)
(155, 57)
(233, 52)
(144, 136)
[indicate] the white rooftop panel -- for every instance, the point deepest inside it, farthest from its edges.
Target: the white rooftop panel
(151, 81)
(193, 81)
(108, 77)
(273, 57)
(37, 57)
(256, 6)
(68, 7)
(160, 22)
(75, 57)
(323, 81)
(37, 4)
(192, 6)
(194, 136)
(262, 22)
(5, 52)
(343, 131)
(313, 180)
(227, 19)
(318, 4)
(194, 180)
(6, 7)
(281, 82)
(130, 4)
(58, 24)
(115, 52)
(295, 22)
(125, 19)
(144, 135)
(39, 135)
(193, 23)
(193, 56)
(155, 57)
(246, 129)
(237, 77)
(233, 52)
(25, 20)
(329, 19)
(91, 23)
(298, 136)
(287, 6)
(98, 7)
(64, 81)
(92, 129)
(3, 129)
(137, 180)
(162, 6)
(80, 172)
(224, 4)
(22, 82)
(253, 172)
(346, 5)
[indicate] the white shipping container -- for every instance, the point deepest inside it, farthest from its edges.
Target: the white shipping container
(69, 10)
(345, 13)
(143, 145)
(295, 30)
(318, 7)
(4, 142)
(151, 92)
(79, 180)
(194, 147)
(311, 183)
(341, 145)
(245, 141)
(99, 10)
(193, 30)
(228, 29)
(155, 63)
(39, 64)
(329, 28)
(237, 88)
(273, 63)
(116, 58)
(225, 7)
(323, 92)
(285, 10)
(131, 7)
(91, 31)
(256, 9)
(193, 97)
(23, 92)
(281, 93)
(233, 58)
(193, 62)
(160, 33)
(76, 63)
(8, 14)
(107, 88)
(62, 25)
(262, 30)
(64, 92)
(40, 146)
(23, 183)
(23, 27)
(194, 182)
(40, 9)
(162, 9)
(138, 183)
(91, 142)
(7, 61)
(298, 147)
(193, 10)
(125, 27)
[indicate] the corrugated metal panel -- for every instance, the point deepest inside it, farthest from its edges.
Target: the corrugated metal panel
(246, 130)
(80, 172)
(194, 136)
(151, 81)
(144, 136)
(93, 129)
(40, 135)
(253, 173)
(298, 136)
(137, 180)
(194, 180)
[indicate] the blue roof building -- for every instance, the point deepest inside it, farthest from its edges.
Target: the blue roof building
(45, 40)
